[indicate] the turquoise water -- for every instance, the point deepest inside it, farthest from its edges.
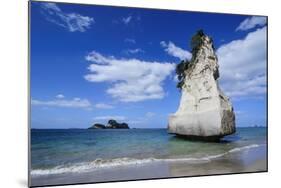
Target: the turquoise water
(79, 150)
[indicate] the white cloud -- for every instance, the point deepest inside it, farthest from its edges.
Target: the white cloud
(176, 51)
(61, 102)
(129, 40)
(51, 6)
(133, 122)
(251, 22)
(71, 21)
(117, 118)
(126, 20)
(239, 112)
(243, 65)
(149, 114)
(132, 80)
(134, 51)
(60, 96)
(104, 106)
(98, 58)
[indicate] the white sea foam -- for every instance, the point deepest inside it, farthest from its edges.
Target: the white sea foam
(108, 163)
(243, 148)
(88, 166)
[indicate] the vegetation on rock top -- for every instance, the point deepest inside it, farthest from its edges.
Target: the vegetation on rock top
(196, 43)
(112, 124)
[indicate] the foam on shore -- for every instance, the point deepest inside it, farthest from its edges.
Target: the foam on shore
(119, 162)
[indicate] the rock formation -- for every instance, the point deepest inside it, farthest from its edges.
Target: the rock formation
(97, 126)
(204, 112)
(112, 124)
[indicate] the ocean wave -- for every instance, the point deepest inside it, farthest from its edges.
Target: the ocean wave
(108, 163)
(87, 166)
(244, 148)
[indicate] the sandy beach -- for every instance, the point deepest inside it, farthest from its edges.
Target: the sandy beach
(249, 160)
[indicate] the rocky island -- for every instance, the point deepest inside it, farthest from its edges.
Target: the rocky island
(204, 112)
(112, 124)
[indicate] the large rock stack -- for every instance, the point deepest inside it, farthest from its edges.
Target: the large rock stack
(204, 112)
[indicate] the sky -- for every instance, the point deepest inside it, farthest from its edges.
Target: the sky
(92, 63)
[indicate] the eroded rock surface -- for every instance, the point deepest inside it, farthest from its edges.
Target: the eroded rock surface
(204, 111)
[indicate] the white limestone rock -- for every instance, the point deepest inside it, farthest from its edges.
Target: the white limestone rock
(204, 111)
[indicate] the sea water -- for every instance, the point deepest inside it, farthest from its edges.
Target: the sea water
(57, 151)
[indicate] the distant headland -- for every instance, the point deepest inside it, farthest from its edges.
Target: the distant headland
(112, 124)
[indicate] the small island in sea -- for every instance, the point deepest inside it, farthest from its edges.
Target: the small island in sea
(141, 93)
(112, 124)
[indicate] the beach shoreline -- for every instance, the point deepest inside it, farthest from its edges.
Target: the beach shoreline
(247, 160)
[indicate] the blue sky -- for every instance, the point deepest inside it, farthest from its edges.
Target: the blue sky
(93, 63)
